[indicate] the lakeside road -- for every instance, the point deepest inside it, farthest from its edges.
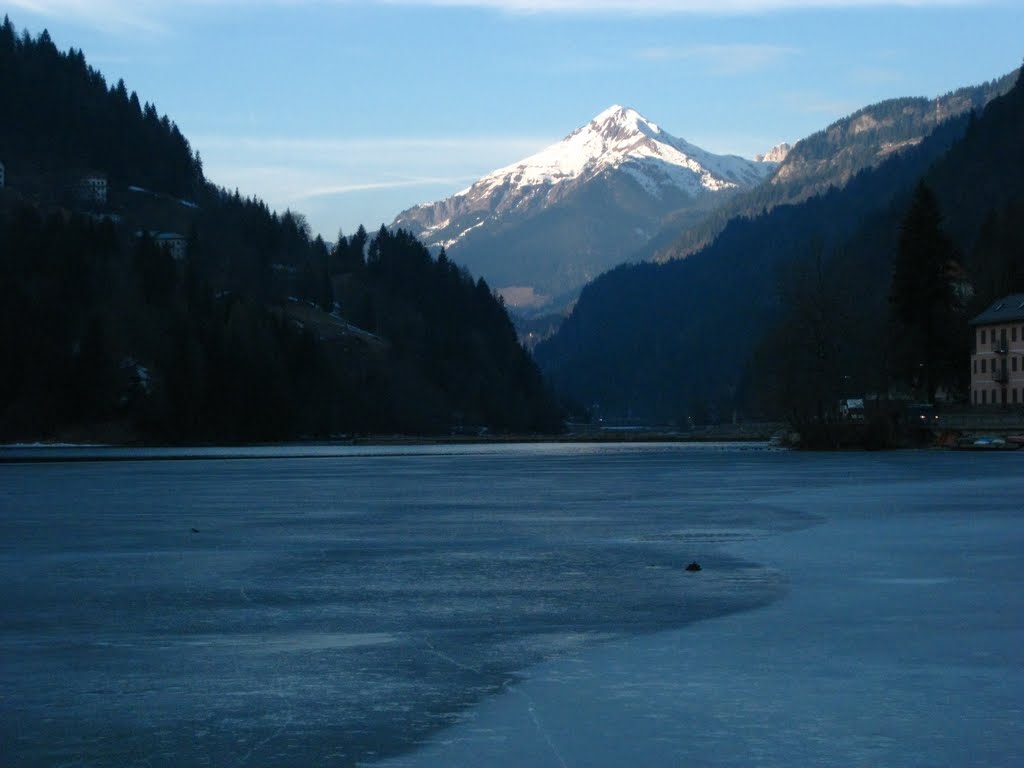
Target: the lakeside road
(899, 643)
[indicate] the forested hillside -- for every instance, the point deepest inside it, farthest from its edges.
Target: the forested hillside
(830, 157)
(679, 339)
(62, 120)
(173, 310)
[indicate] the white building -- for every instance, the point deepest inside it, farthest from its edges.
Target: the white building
(176, 245)
(173, 243)
(997, 365)
(93, 189)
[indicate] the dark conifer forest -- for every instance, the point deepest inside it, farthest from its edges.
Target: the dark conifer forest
(255, 330)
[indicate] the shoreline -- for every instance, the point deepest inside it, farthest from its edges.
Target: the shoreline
(42, 453)
(753, 433)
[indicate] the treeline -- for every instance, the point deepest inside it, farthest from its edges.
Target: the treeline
(463, 364)
(259, 331)
(110, 329)
(62, 121)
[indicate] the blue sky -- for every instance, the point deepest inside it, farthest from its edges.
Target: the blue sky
(350, 111)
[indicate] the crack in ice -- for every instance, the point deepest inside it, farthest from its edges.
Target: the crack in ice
(454, 662)
(539, 726)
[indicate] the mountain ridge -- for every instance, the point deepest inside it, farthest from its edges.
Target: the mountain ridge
(633, 172)
(832, 156)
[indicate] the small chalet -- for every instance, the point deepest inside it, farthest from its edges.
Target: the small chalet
(997, 364)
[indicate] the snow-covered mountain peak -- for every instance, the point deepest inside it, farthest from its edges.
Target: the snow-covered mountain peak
(602, 192)
(618, 122)
(622, 137)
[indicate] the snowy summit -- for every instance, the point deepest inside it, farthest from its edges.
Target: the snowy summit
(619, 175)
(620, 136)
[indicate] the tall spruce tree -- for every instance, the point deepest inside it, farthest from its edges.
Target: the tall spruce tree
(923, 304)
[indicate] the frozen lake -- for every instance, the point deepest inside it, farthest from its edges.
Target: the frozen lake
(512, 605)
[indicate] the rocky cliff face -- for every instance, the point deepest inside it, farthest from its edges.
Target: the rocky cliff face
(776, 154)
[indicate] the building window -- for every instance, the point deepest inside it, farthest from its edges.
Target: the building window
(1014, 363)
(1014, 394)
(983, 366)
(982, 336)
(974, 368)
(1013, 333)
(984, 397)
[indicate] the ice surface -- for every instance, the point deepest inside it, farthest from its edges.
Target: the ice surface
(519, 605)
(899, 643)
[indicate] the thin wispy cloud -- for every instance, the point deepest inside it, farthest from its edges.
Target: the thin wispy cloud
(877, 75)
(725, 59)
(111, 16)
(311, 171)
(367, 186)
(817, 104)
(341, 164)
(151, 15)
(716, 7)
(288, 184)
(346, 147)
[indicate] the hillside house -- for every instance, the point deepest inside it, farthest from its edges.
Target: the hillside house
(997, 364)
(176, 245)
(173, 243)
(92, 189)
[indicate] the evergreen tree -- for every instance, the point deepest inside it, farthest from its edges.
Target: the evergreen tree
(923, 305)
(357, 249)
